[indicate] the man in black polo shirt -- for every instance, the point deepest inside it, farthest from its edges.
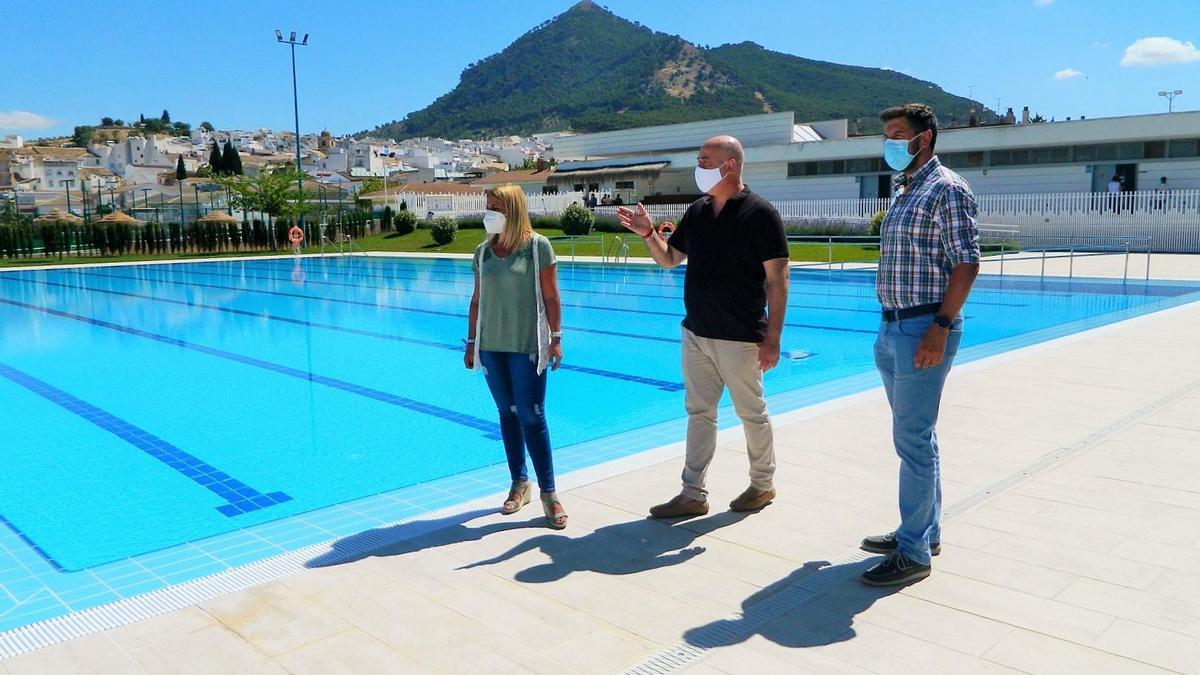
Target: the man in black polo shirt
(737, 255)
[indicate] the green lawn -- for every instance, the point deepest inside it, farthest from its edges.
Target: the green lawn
(421, 241)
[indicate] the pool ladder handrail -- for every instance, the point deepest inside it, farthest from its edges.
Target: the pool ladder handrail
(618, 251)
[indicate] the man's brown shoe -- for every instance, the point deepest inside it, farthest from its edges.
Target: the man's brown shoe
(679, 506)
(752, 499)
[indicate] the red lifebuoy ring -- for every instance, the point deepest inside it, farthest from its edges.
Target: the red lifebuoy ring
(666, 229)
(296, 235)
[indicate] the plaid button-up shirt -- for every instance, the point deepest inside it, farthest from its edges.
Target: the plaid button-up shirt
(929, 229)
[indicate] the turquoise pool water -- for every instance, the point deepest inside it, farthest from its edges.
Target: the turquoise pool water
(240, 409)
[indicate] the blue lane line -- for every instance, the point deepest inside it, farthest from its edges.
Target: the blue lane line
(490, 429)
(373, 305)
(392, 277)
(625, 377)
(576, 329)
(239, 497)
(465, 296)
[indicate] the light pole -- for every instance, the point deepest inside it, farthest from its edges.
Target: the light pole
(145, 197)
(1170, 96)
(197, 189)
(291, 41)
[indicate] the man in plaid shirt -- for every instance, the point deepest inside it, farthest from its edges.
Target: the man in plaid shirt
(928, 259)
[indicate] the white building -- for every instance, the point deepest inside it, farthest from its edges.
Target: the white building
(12, 141)
(821, 161)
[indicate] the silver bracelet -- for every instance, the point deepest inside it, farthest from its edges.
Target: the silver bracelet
(556, 334)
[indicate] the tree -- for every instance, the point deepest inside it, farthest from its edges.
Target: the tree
(215, 161)
(232, 160)
(141, 118)
(106, 121)
(165, 117)
(206, 126)
(118, 123)
(82, 136)
(181, 128)
(180, 169)
(273, 192)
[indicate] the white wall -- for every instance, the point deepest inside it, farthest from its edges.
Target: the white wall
(1028, 179)
(1181, 174)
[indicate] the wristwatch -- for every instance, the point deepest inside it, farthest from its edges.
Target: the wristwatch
(942, 321)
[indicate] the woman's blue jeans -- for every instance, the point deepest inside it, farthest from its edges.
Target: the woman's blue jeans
(520, 395)
(915, 394)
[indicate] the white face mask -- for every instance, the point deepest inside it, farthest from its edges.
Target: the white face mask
(707, 179)
(493, 222)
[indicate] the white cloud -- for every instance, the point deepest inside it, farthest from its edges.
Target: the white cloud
(19, 119)
(1156, 51)
(1042, 3)
(1066, 74)
(1101, 45)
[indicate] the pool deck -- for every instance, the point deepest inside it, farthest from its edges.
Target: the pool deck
(1071, 545)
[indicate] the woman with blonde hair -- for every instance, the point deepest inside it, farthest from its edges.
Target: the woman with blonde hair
(514, 335)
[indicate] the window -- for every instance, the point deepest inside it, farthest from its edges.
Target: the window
(1055, 155)
(961, 160)
(578, 187)
(624, 185)
(864, 165)
(1154, 149)
(1186, 148)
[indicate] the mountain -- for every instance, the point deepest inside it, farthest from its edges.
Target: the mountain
(590, 70)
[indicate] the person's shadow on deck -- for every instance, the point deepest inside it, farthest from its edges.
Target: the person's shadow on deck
(415, 536)
(813, 606)
(623, 548)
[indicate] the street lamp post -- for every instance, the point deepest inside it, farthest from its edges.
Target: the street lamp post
(1170, 96)
(291, 41)
(112, 198)
(197, 192)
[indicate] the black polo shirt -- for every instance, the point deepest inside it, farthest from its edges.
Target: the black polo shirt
(724, 288)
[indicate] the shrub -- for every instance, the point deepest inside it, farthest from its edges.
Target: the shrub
(385, 219)
(876, 223)
(576, 220)
(444, 230)
(405, 221)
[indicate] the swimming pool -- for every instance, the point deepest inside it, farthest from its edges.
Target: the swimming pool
(164, 422)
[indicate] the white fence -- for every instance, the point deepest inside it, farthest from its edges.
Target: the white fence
(1170, 219)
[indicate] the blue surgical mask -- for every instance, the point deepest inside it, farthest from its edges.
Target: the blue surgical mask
(896, 154)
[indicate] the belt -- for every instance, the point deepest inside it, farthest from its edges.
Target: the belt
(910, 312)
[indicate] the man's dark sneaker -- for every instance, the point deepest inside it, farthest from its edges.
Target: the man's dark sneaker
(886, 543)
(895, 570)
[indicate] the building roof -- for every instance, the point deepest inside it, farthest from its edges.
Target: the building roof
(94, 171)
(518, 176)
(438, 188)
(46, 152)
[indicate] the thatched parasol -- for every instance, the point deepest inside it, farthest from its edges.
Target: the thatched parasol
(119, 216)
(219, 218)
(57, 215)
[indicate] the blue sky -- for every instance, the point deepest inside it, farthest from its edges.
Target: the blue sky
(373, 61)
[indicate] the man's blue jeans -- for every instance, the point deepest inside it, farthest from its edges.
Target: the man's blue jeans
(915, 395)
(520, 395)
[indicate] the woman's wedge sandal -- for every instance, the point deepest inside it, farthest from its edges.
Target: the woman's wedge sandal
(518, 496)
(558, 520)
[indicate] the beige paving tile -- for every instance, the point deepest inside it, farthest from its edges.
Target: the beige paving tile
(94, 654)
(1175, 614)
(1013, 607)
(351, 652)
(1156, 553)
(162, 628)
(1041, 529)
(1175, 584)
(1104, 567)
(1036, 653)
(209, 651)
(885, 651)
(1161, 528)
(760, 655)
(1162, 648)
(931, 622)
(1002, 571)
(274, 617)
